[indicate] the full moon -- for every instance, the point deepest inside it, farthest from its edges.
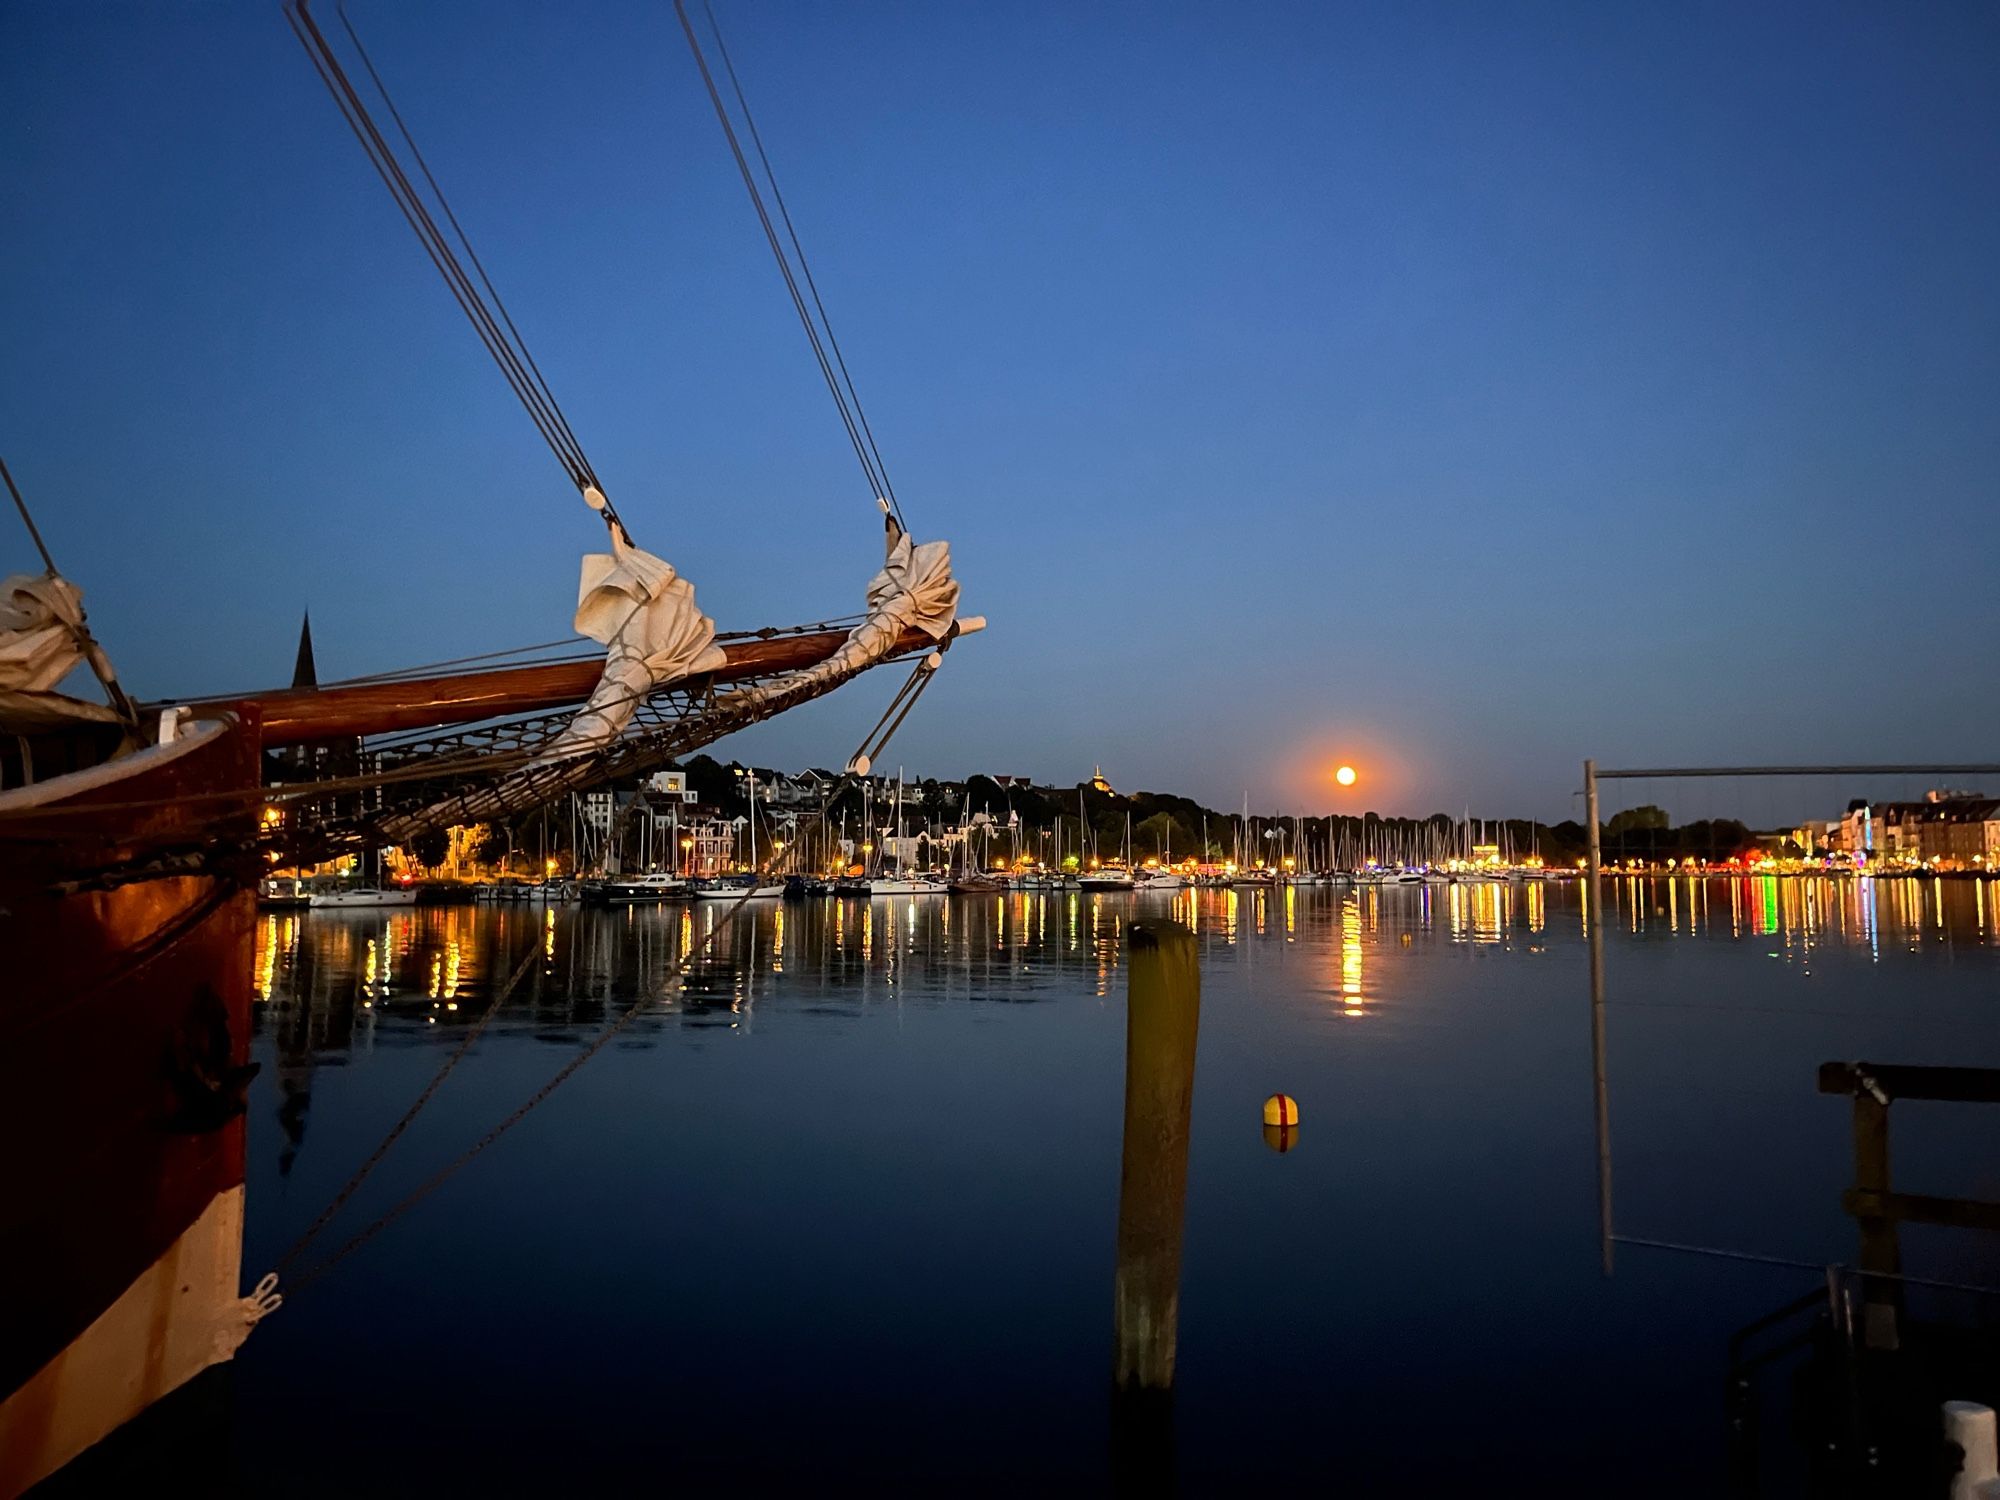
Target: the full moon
(1345, 776)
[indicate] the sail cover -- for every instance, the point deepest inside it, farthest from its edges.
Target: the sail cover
(41, 631)
(915, 589)
(645, 614)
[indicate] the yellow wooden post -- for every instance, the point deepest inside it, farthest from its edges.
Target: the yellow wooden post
(1162, 1017)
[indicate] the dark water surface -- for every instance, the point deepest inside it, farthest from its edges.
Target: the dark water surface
(846, 1208)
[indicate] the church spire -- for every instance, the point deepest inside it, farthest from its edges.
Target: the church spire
(305, 674)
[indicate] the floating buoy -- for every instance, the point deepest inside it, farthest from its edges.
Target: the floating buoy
(1281, 1109)
(1281, 1138)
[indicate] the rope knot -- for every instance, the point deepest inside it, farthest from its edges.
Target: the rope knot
(263, 1300)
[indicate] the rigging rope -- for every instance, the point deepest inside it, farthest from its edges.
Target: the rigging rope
(395, 1131)
(818, 334)
(483, 763)
(805, 266)
(906, 697)
(492, 323)
(562, 1076)
(502, 659)
(541, 384)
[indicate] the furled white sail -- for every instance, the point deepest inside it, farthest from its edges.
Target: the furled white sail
(636, 604)
(645, 614)
(915, 589)
(41, 631)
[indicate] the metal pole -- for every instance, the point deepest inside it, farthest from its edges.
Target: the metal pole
(1594, 932)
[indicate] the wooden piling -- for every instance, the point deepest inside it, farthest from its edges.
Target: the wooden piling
(1162, 1017)
(1880, 1250)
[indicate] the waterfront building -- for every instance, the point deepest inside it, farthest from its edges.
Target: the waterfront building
(1959, 833)
(1949, 830)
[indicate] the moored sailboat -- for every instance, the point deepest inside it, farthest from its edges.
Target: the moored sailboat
(362, 898)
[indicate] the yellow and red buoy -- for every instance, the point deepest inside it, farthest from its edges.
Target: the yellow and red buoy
(1281, 1109)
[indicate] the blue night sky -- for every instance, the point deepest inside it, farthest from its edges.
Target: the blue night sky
(1457, 390)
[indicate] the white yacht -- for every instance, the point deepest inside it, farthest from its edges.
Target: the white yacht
(1109, 878)
(736, 890)
(907, 885)
(358, 897)
(654, 886)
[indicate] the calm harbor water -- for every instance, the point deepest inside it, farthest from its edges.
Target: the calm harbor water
(846, 1204)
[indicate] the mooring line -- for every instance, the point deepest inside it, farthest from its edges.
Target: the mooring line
(416, 1108)
(905, 699)
(1716, 1253)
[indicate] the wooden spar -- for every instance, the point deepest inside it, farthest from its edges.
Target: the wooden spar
(299, 716)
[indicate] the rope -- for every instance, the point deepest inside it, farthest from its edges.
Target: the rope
(437, 669)
(431, 669)
(416, 1108)
(444, 1174)
(907, 696)
(493, 324)
(888, 490)
(541, 385)
(401, 674)
(857, 427)
(450, 1169)
(442, 768)
(1714, 1253)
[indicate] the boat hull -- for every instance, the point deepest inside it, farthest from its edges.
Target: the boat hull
(124, 1035)
(633, 893)
(361, 900)
(738, 893)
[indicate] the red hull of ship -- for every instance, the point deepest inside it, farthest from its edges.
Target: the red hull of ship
(124, 1032)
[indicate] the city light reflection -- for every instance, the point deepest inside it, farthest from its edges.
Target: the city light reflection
(1350, 956)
